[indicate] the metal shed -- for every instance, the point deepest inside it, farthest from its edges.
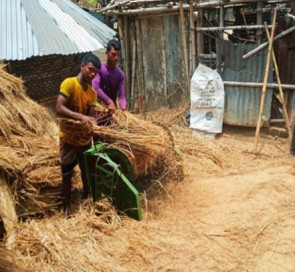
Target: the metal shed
(43, 27)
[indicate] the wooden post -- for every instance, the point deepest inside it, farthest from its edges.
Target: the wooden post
(245, 22)
(265, 81)
(181, 11)
(121, 37)
(285, 113)
(123, 54)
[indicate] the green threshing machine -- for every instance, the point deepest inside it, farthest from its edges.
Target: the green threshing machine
(110, 174)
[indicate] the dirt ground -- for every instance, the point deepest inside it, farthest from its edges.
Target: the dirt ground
(240, 217)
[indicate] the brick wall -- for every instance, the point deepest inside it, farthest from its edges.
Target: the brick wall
(43, 75)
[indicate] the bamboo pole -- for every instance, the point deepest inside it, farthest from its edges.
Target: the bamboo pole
(127, 56)
(257, 85)
(265, 81)
(262, 46)
(221, 23)
(133, 70)
(240, 27)
(285, 113)
(193, 36)
(121, 36)
(153, 10)
(190, 43)
(167, 9)
(140, 68)
(182, 20)
(259, 22)
(200, 35)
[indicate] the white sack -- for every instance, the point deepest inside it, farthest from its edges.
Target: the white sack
(207, 100)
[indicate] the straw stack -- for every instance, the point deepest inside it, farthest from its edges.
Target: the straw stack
(28, 146)
(19, 114)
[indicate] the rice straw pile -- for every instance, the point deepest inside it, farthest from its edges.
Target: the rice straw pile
(169, 117)
(201, 155)
(28, 148)
(69, 244)
(19, 114)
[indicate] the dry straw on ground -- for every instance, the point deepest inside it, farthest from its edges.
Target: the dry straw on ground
(202, 226)
(201, 155)
(187, 230)
(169, 117)
(68, 244)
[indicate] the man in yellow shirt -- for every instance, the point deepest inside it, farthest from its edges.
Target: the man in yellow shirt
(76, 100)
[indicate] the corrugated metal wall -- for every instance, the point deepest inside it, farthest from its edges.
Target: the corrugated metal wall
(242, 103)
(160, 69)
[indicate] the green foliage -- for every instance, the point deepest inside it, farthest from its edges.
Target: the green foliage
(95, 2)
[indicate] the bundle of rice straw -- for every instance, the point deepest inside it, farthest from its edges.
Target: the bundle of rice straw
(28, 145)
(151, 144)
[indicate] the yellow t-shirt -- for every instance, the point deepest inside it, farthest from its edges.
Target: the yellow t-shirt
(78, 101)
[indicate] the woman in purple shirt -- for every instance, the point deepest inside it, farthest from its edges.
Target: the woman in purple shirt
(109, 82)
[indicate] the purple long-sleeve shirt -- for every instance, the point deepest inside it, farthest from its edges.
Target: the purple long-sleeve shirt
(109, 84)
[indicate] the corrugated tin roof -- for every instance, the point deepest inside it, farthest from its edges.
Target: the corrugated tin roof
(242, 103)
(43, 27)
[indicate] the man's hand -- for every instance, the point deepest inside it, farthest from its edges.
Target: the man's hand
(112, 107)
(87, 122)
